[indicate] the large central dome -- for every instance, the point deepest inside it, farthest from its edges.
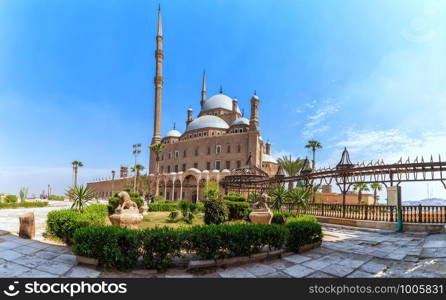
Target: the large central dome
(207, 121)
(219, 101)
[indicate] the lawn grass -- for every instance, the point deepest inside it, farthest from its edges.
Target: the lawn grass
(160, 219)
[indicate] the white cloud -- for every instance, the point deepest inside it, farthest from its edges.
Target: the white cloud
(313, 127)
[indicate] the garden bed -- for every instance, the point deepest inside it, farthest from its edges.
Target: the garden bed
(7, 205)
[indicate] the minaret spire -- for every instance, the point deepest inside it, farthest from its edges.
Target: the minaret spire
(203, 89)
(158, 80)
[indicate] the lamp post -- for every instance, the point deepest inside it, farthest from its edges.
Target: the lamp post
(113, 181)
(136, 152)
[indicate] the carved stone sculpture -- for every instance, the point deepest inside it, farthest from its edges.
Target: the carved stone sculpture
(127, 213)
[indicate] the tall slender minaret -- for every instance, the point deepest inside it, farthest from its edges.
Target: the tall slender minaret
(159, 55)
(203, 89)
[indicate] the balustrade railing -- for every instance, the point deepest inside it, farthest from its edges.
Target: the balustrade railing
(411, 214)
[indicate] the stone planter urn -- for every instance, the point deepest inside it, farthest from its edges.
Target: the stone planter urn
(261, 216)
(127, 213)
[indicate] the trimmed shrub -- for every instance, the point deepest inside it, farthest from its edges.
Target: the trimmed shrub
(303, 232)
(160, 246)
(281, 217)
(158, 199)
(23, 204)
(56, 198)
(238, 210)
(10, 198)
(114, 247)
(302, 218)
(162, 206)
(139, 201)
(234, 197)
(63, 223)
(215, 211)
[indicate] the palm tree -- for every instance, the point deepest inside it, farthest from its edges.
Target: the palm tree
(137, 169)
(376, 186)
(291, 166)
(157, 149)
(80, 196)
(299, 197)
(313, 145)
(360, 187)
(76, 164)
(278, 194)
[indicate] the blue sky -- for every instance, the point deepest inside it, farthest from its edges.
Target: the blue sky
(76, 79)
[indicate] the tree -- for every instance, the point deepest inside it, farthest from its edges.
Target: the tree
(137, 170)
(80, 196)
(299, 197)
(313, 145)
(291, 166)
(76, 164)
(376, 187)
(278, 195)
(157, 149)
(23, 193)
(360, 187)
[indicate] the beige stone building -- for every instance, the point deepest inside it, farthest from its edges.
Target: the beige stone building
(215, 143)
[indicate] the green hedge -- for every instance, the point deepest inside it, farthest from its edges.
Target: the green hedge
(162, 206)
(56, 198)
(116, 247)
(63, 223)
(238, 210)
(23, 204)
(302, 218)
(281, 217)
(10, 198)
(234, 197)
(112, 246)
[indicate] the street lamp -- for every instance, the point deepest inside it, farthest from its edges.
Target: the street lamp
(136, 152)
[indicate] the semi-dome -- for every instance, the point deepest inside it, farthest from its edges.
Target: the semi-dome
(268, 158)
(219, 101)
(241, 121)
(207, 121)
(173, 133)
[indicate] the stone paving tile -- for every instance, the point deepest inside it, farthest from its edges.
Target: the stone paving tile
(235, 273)
(320, 263)
(259, 269)
(45, 254)
(33, 273)
(9, 255)
(54, 267)
(338, 270)
(360, 274)
(10, 269)
(279, 264)
(275, 275)
(296, 258)
(30, 261)
(373, 267)
(38, 245)
(298, 271)
(66, 258)
(319, 274)
(25, 250)
(58, 249)
(7, 245)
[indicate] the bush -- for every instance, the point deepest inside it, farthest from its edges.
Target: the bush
(215, 211)
(160, 246)
(10, 198)
(158, 199)
(162, 206)
(63, 223)
(173, 215)
(114, 247)
(56, 198)
(234, 197)
(139, 201)
(301, 233)
(281, 217)
(225, 240)
(238, 210)
(302, 218)
(23, 204)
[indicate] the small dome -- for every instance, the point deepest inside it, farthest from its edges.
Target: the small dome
(268, 158)
(241, 121)
(194, 170)
(205, 172)
(215, 171)
(207, 121)
(218, 101)
(225, 171)
(173, 133)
